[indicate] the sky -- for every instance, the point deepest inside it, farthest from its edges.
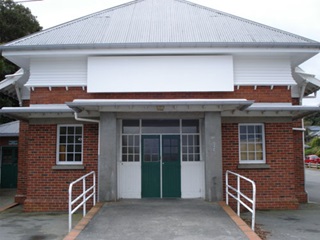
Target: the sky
(295, 16)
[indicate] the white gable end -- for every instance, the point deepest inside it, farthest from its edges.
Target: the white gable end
(46, 72)
(263, 71)
(160, 73)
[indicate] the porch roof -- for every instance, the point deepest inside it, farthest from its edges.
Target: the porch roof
(274, 110)
(38, 111)
(158, 105)
(228, 107)
(10, 129)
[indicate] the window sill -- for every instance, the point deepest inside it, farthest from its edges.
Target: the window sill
(254, 166)
(68, 167)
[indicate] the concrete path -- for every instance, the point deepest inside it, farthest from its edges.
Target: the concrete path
(302, 224)
(313, 184)
(161, 219)
(6, 197)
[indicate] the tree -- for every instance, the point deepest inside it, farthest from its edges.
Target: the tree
(313, 119)
(16, 21)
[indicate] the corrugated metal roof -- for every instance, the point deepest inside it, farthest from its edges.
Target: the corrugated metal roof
(10, 129)
(146, 23)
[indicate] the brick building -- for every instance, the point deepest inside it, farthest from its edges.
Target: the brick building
(160, 98)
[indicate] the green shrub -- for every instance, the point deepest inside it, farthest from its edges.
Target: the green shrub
(311, 151)
(315, 142)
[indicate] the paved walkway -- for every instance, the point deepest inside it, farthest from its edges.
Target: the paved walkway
(18, 225)
(6, 197)
(161, 219)
(301, 224)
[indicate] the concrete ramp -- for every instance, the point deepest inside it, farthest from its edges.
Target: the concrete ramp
(177, 219)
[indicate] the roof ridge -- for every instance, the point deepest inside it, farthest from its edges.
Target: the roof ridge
(249, 21)
(72, 21)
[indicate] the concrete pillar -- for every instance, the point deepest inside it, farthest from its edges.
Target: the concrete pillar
(213, 156)
(107, 172)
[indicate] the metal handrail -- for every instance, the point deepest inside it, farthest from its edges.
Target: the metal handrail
(240, 194)
(83, 195)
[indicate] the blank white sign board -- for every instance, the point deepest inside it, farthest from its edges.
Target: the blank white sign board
(160, 74)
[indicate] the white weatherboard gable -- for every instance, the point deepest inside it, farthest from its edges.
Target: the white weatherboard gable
(57, 72)
(262, 71)
(160, 74)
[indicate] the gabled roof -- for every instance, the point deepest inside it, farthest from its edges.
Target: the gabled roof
(160, 23)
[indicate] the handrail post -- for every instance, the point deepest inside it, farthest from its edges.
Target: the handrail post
(227, 188)
(84, 195)
(238, 195)
(70, 207)
(253, 207)
(94, 183)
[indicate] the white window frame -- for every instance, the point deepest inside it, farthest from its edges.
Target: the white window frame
(263, 161)
(58, 145)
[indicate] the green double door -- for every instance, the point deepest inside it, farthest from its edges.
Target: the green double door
(161, 171)
(9, 167)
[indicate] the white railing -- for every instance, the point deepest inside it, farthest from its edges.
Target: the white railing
(312, 165)
(84, 196)
(240, 195)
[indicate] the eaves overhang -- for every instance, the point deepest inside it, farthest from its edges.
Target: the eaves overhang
(93, 108)
(158, 105)
(40, 111)
(275, 110)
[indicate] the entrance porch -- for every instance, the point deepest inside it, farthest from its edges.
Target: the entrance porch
(119, 178)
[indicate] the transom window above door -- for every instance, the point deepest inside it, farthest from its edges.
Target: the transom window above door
(160, 126)
(188, 130)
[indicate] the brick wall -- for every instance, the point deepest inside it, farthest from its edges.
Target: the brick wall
(277, 187)
(47, 189)
(61, 95)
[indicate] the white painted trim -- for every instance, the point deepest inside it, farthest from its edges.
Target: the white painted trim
(299, 129)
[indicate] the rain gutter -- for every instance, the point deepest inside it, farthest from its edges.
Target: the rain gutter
(315, 45)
